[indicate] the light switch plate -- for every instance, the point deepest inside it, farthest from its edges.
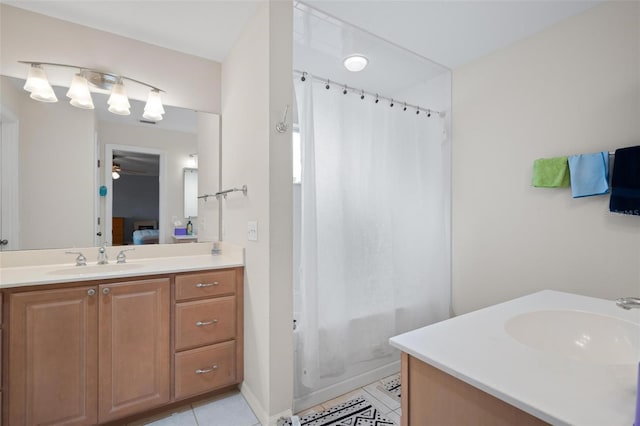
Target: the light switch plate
(252, 230)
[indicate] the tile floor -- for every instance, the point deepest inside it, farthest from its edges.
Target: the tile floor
(231, 409)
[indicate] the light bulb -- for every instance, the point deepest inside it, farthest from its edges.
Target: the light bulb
(38, 84)
(153, 110)
(118, 101)
(79, 93)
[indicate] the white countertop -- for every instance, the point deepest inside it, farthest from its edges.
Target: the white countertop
(40, 267)
(476, 349)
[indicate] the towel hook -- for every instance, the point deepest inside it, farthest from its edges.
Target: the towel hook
(282, 126)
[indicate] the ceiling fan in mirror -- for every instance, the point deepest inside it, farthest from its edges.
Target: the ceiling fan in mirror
(134, 164)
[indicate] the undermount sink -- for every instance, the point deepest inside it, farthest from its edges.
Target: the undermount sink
(578, 335)
(96, 269)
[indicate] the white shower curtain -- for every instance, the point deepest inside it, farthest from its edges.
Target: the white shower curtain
(374, 250)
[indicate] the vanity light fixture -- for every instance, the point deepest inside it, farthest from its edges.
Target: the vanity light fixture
(85, 79)
(355, 63)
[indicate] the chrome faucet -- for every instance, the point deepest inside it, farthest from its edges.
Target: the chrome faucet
(628, 302)
(102, 256)
(80, 260)
(122, 258)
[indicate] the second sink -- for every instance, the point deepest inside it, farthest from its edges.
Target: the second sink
(578, 335)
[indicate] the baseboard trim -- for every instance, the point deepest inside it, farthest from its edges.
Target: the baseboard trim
(258, 409)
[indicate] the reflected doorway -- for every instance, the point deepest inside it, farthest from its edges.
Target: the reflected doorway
(134, 198)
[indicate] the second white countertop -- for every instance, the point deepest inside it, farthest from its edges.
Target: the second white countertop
(477, 349)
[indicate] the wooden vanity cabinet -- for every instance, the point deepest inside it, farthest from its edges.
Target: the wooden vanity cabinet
(53, 357)
(432, 397)
(208, 331)
(90, 354)
(134, 347)
(94, 352)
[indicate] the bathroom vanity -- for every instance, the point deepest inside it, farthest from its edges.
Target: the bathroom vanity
(96, 344)
(547, 358)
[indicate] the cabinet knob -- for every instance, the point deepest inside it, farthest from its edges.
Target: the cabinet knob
(206, 370)
(106, 290)
(91, 292)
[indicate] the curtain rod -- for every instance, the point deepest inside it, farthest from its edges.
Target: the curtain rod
(348, 89)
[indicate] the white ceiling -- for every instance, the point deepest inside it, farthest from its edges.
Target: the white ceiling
(448, 32)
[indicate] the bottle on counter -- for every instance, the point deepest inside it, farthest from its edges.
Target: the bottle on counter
(189, 227)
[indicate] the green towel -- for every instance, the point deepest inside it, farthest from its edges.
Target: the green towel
(551, 173)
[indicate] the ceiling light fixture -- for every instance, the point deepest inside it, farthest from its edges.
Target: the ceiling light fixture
(79, 91)
(355, 63)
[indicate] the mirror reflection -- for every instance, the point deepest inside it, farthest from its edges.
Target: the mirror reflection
(58, 167)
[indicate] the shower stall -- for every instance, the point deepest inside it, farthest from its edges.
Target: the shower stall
(371, 204)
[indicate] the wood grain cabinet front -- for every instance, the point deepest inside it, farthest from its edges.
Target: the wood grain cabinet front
(208, 331)
(53, 356)
(203, 322)
(90, 354)
(94, 352)
(202, 369)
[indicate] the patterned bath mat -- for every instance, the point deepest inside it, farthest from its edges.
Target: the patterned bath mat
(393, 388)
(355, 412)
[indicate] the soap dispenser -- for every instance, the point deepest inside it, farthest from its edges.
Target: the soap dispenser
(189, 227)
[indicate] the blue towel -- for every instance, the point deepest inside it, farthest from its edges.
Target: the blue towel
(589, 174)
(625, 182)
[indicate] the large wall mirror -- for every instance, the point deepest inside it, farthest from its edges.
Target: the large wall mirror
(54, 194)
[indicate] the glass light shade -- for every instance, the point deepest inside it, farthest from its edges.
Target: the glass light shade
(38, 84)
(153, 110)
(79, 93)
(118, 101)
(37, 79)
(115, 175)
(46, 94)
(355, 63)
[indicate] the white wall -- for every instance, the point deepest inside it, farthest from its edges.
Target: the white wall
(573, 88)
(52, 182)
(208, 176)
(256, 85)
(176, 145)
(189, 81)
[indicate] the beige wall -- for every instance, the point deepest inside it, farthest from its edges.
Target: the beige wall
(52, 183)
(573, 88)
(256, 85)
(208, 176)
(30, 36)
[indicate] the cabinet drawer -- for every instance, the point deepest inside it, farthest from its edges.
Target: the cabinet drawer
(203, 322)
(204, 369)
(205, 284)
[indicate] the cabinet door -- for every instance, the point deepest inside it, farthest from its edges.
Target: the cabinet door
(53, 357)
(134, 369)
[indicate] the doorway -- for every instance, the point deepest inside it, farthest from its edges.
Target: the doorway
(135, 181)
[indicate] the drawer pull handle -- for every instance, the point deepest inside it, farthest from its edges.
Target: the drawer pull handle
(206, 370)
(201, 285)
(201, 323)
